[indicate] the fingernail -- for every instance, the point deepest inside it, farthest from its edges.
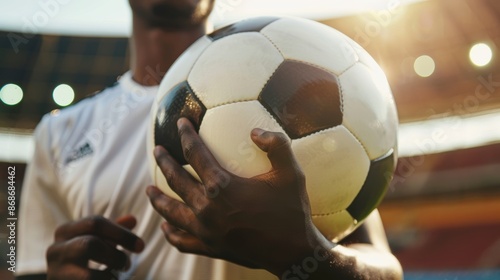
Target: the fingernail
(139, 245)
(180, 122)
(151, 190)
(257, 132)
(158, 151)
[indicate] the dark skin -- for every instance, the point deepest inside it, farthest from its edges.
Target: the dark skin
(92, 238)
(156, 43)
(159, 37)
(249, 221)
(162, 30)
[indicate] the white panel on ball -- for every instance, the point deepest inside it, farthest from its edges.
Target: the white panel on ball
(181, 68)
(335, 226)
(369, 110)
(335, 165)
(365, 57)
(312, 43)
(234, 68)
(226, 132)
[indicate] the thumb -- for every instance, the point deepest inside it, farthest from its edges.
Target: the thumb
(127, 221)
(277, 146)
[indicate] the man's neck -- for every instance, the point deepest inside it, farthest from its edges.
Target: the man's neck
(154, 50)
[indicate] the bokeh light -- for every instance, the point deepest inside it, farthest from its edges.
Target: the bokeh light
(480, 54)
(63, 95)
(11, 94)
(424, 66)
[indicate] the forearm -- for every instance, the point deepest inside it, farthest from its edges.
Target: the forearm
(359, 261)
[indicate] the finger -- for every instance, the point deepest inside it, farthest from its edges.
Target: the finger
(188, 243)
(127, 221)
(277, 146)
(107, 254)
(78, 272)
(181, 182)
(103, 228)
(81, 249)
(195, 151)
(184, 241)
(174, 211)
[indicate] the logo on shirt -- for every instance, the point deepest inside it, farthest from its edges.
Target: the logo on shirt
(79, 153)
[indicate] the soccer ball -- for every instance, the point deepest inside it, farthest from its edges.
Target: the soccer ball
(298, 77)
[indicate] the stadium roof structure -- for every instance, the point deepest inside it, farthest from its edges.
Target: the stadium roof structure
(71, 17)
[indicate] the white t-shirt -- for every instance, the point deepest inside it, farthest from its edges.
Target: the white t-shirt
(91, 159)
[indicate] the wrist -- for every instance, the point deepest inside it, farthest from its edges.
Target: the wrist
(306, 257)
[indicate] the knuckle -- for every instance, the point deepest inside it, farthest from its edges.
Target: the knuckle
(204, 213)
(86, 243)
(213, 187)
(60, 232)
(295, 176)
(199, 204)
(209, 222)
(52, 253)
(190, 149)
(181, 247)
(278, 141)
(176, 242)
(170, 176)
(218, 180)
(209, 239)
(182, 131)
(94, 223)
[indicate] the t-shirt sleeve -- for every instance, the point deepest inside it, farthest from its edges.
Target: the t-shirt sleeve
(41, 209)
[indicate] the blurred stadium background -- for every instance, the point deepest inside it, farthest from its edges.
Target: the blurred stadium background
(442, 212)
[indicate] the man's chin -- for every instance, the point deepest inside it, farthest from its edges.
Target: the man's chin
(176, 16)
(175, 23)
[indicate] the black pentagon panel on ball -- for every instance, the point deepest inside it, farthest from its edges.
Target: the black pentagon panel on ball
(248, 25)
(304, 99)
(375, 186)
(179, 102)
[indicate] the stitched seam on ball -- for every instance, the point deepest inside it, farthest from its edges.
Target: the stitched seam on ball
(359, 141)
(306, 62)
(274, 118)
(272, 74)
(347, 69)
(296, 60)
(341, 93)
(276, 46)
(232, 102)
(337, 77)
(331, 129)
(194, 63)
(245, 100)
(366, 65)
(314, 65)
(271, 116)
(326, 214)
(262, 88)
(318, 132)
